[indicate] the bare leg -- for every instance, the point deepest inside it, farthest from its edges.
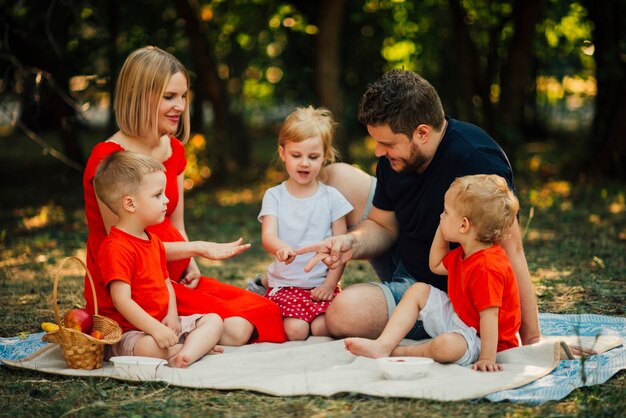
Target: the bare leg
(146, 346)
(358, 311)
(237, 331)
(318, 326)
(445, 348)
(296, 329)
(400, 323)
(354, 184)
(200, 341)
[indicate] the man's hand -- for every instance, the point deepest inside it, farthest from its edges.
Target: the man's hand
(334, 251)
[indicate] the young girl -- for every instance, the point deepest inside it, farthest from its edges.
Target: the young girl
(298, 212)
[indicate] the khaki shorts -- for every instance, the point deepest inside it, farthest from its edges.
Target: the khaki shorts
(126, 346)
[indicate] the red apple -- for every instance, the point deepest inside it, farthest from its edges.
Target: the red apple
(78, 319)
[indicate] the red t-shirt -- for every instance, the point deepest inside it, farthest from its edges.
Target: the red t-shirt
(485, 280)
(174, 166)
(141, 264)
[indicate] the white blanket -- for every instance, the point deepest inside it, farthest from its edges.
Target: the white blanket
(321, 366)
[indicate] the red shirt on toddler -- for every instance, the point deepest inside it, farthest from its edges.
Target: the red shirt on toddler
(484, 280)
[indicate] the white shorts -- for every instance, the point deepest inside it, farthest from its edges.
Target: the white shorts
(439, 317)
(126, 346)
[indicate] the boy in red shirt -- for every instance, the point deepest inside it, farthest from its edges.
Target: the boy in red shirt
(481, 314)
(140, 296)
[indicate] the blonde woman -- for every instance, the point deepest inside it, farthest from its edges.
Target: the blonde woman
(153, 119)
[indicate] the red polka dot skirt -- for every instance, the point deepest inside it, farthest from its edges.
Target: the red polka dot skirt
(295, 302)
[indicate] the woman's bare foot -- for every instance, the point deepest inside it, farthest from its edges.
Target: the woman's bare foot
(366, 348)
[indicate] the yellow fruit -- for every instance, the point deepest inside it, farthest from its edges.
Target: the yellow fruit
(49, 326)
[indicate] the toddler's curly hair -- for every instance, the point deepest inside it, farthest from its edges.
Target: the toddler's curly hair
(488, 203)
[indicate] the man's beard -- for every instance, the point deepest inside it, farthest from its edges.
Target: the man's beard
(417, 159)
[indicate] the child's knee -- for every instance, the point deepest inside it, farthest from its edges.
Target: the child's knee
(212, 320)
(450, 346)
(418, 293)
(296, 330)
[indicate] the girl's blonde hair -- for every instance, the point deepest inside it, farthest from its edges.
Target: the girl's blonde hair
(120, 174)
(488, 203)
(308, 122)
(139, 89)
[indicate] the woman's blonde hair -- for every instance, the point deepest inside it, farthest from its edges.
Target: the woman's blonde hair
(120, 174)
(308, 122)
(139, 89)
(488, 203)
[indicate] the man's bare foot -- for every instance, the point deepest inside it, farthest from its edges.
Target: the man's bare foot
(179, 361)
(366, 348)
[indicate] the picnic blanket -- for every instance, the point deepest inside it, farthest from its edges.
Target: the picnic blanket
(322, 366)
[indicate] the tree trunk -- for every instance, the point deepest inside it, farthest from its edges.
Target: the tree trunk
(328, 66)
(607, 144)
(470, 76)
(516, 72)
(112, 8)
(46, 100)
(231, 146)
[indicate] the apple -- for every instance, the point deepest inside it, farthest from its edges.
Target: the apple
(78, 319)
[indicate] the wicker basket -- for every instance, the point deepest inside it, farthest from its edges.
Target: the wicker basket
(82, 351)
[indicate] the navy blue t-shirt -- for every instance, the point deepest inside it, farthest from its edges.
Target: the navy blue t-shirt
(417, 198)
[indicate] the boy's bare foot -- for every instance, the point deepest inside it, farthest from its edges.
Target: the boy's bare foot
(179, 361)
(216, 350)
(366, 348)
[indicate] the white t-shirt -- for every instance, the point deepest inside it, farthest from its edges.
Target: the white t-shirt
(302, 222)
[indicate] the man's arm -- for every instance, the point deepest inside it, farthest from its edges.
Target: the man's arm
(376, 235)
(370, 238)
(512, 245)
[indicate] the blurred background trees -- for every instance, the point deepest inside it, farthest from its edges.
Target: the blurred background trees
(525, 70)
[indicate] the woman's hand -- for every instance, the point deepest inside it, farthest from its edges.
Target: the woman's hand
(220, 251)
(191, 276)
(324, 292)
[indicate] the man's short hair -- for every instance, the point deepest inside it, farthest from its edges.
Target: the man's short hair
(403, 100)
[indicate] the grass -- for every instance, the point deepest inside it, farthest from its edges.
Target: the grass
(575, 245)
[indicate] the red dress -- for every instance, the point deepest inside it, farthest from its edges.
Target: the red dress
(210, 296)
